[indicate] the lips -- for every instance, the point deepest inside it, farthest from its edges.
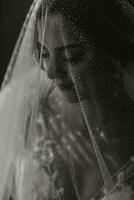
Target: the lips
(64, 85)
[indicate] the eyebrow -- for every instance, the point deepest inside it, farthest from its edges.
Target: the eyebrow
(62, 48)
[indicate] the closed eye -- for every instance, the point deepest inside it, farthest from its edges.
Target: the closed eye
(45, 52)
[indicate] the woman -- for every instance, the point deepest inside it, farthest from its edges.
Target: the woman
(86, 49)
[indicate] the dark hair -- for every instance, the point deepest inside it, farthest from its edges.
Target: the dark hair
(108, 22)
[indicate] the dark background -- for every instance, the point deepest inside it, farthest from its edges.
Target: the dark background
(13, 15)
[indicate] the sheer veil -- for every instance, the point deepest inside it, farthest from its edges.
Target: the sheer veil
(18, 106)
(52, 148)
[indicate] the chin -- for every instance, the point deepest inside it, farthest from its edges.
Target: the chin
(70, 94)
(72, 97)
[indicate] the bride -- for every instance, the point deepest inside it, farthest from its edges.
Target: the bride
(67, 103)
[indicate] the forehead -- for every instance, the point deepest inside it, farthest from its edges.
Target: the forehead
(58, 32)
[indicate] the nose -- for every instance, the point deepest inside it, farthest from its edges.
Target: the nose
(56, 68)
(51, 68)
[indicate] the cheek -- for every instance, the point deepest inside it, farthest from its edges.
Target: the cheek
(82, 78)
(83, 72)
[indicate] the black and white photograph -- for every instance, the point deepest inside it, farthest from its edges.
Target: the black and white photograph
(67, 100)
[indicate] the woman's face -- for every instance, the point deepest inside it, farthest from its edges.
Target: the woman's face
(62, 50)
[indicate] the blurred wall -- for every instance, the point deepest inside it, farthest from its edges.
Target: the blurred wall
(13, 14)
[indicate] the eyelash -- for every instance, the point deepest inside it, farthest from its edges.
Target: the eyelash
(44, 55)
